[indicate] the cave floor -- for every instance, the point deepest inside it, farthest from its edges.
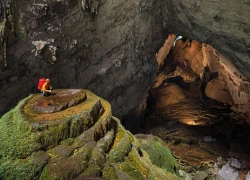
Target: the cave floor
(200, 132)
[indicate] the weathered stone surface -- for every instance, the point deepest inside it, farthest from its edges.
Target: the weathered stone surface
(79, 141)
(168, 94)
(221, 80)
(216, 89)
(223, 24)
(110, 52)
(57, 101)
(165, 49)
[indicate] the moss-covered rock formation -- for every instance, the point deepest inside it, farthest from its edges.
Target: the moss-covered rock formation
(71, 135)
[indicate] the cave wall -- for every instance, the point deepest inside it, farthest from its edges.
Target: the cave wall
(223, 24)
(220, 79)
(109, 50)
(108, 47)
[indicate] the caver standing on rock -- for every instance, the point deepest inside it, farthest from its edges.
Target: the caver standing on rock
(46, 88)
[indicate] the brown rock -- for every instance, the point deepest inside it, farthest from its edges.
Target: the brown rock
(216, 89)
(168, 94)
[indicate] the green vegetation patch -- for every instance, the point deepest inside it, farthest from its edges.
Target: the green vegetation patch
(158, 152)
(131, 171)
(17, 140)
(24, 169)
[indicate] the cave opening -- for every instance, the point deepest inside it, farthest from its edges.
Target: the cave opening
(193, 105)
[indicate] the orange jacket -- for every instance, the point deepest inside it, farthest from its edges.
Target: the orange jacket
(46, 87)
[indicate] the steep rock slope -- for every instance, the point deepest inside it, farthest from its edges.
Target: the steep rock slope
(71, 135)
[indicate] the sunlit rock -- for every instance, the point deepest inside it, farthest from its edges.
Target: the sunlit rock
(165, 49)
(219, 76)
(216, 89)
(186, 73)
(222, 24)
(168, 94)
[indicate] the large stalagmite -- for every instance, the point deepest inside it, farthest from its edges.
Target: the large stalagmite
(73, 135)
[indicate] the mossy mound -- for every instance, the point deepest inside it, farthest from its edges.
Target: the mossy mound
(158, 152)
(80, 140)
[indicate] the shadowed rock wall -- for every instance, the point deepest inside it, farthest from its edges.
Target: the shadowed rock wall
(110, 52)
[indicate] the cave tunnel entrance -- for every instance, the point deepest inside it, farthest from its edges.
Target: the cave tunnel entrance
(192, 106)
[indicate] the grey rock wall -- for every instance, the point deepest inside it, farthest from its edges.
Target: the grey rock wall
(111, 53)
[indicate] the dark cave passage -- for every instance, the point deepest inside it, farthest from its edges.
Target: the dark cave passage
(201, 132)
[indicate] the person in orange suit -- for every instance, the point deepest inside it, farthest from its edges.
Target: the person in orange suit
(46, 88)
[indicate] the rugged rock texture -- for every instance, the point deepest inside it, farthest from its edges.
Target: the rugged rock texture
(217, 89)
(220, 79)
(83, 139)
(223, 24)
(201, 66)
(168, 94)
(104, 46)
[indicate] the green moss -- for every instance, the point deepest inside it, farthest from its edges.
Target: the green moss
(121, 148)
(159, 153)
(109, 172)
(68, 168)
(55, 133)
(63, 151)
(23, 168)
(67, 142)
(119, 136)
(17, 140)
(162, 157)
(80, 123)
(92, 171)
(131, 171)
(134, 160)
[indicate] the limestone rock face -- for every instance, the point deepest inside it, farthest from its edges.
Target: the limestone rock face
(41, 140)
(216, 89)
(168, 94)
(223, 24)
(221, 80)
(105, 47)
